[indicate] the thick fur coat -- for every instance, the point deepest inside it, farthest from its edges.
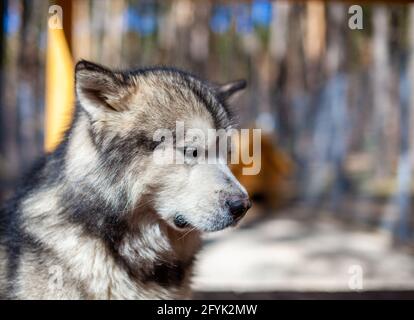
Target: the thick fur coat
(97, 219)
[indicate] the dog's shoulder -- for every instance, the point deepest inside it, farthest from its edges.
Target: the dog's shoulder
(13, 240)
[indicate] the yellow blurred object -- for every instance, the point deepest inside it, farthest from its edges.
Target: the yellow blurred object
(270, 186)
(59, 88)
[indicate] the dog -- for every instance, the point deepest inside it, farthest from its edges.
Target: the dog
(98, 218)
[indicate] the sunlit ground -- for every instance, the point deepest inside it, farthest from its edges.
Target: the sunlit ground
(287, 252)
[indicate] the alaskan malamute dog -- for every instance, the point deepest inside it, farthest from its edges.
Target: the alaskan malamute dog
(97, 218)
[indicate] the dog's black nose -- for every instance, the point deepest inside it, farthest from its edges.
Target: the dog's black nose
(238, 206)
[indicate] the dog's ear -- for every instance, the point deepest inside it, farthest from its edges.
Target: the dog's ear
(99, 89)
(227, 90)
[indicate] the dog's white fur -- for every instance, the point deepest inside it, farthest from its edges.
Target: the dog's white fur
(66, 252)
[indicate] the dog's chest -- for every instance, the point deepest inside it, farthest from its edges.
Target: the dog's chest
(161, 267)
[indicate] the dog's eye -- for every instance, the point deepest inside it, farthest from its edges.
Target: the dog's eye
(188, 151)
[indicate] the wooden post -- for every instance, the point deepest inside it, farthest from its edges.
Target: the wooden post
(59, 80)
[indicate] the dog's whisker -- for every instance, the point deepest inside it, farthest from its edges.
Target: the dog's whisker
(141, 205)
(187, 233)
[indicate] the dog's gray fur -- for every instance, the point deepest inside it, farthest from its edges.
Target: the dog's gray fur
(96, 219)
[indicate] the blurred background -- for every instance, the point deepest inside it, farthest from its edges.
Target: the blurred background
(333, 212)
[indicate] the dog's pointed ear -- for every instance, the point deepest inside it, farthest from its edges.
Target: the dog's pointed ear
(99, 89)
(227, 90)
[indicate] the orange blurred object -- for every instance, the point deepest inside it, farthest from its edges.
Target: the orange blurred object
(59, 87)
(271, 185)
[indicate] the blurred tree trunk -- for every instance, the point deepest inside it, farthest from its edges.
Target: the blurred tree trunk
(278, 46)
(410, 213)
(3, 10)
(97, 29)
(381, 91)
(335, 105)
(315, 41)
(27, 71)
(81, 36)
(200, 37)
(67, 19)
(11, 125)
(402, 223)
(295, 82)
(182, 19)
(113, 27)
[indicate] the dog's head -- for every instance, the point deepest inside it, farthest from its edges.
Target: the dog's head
(133, 116)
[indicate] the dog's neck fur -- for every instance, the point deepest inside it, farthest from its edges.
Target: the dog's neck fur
(150, 252)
